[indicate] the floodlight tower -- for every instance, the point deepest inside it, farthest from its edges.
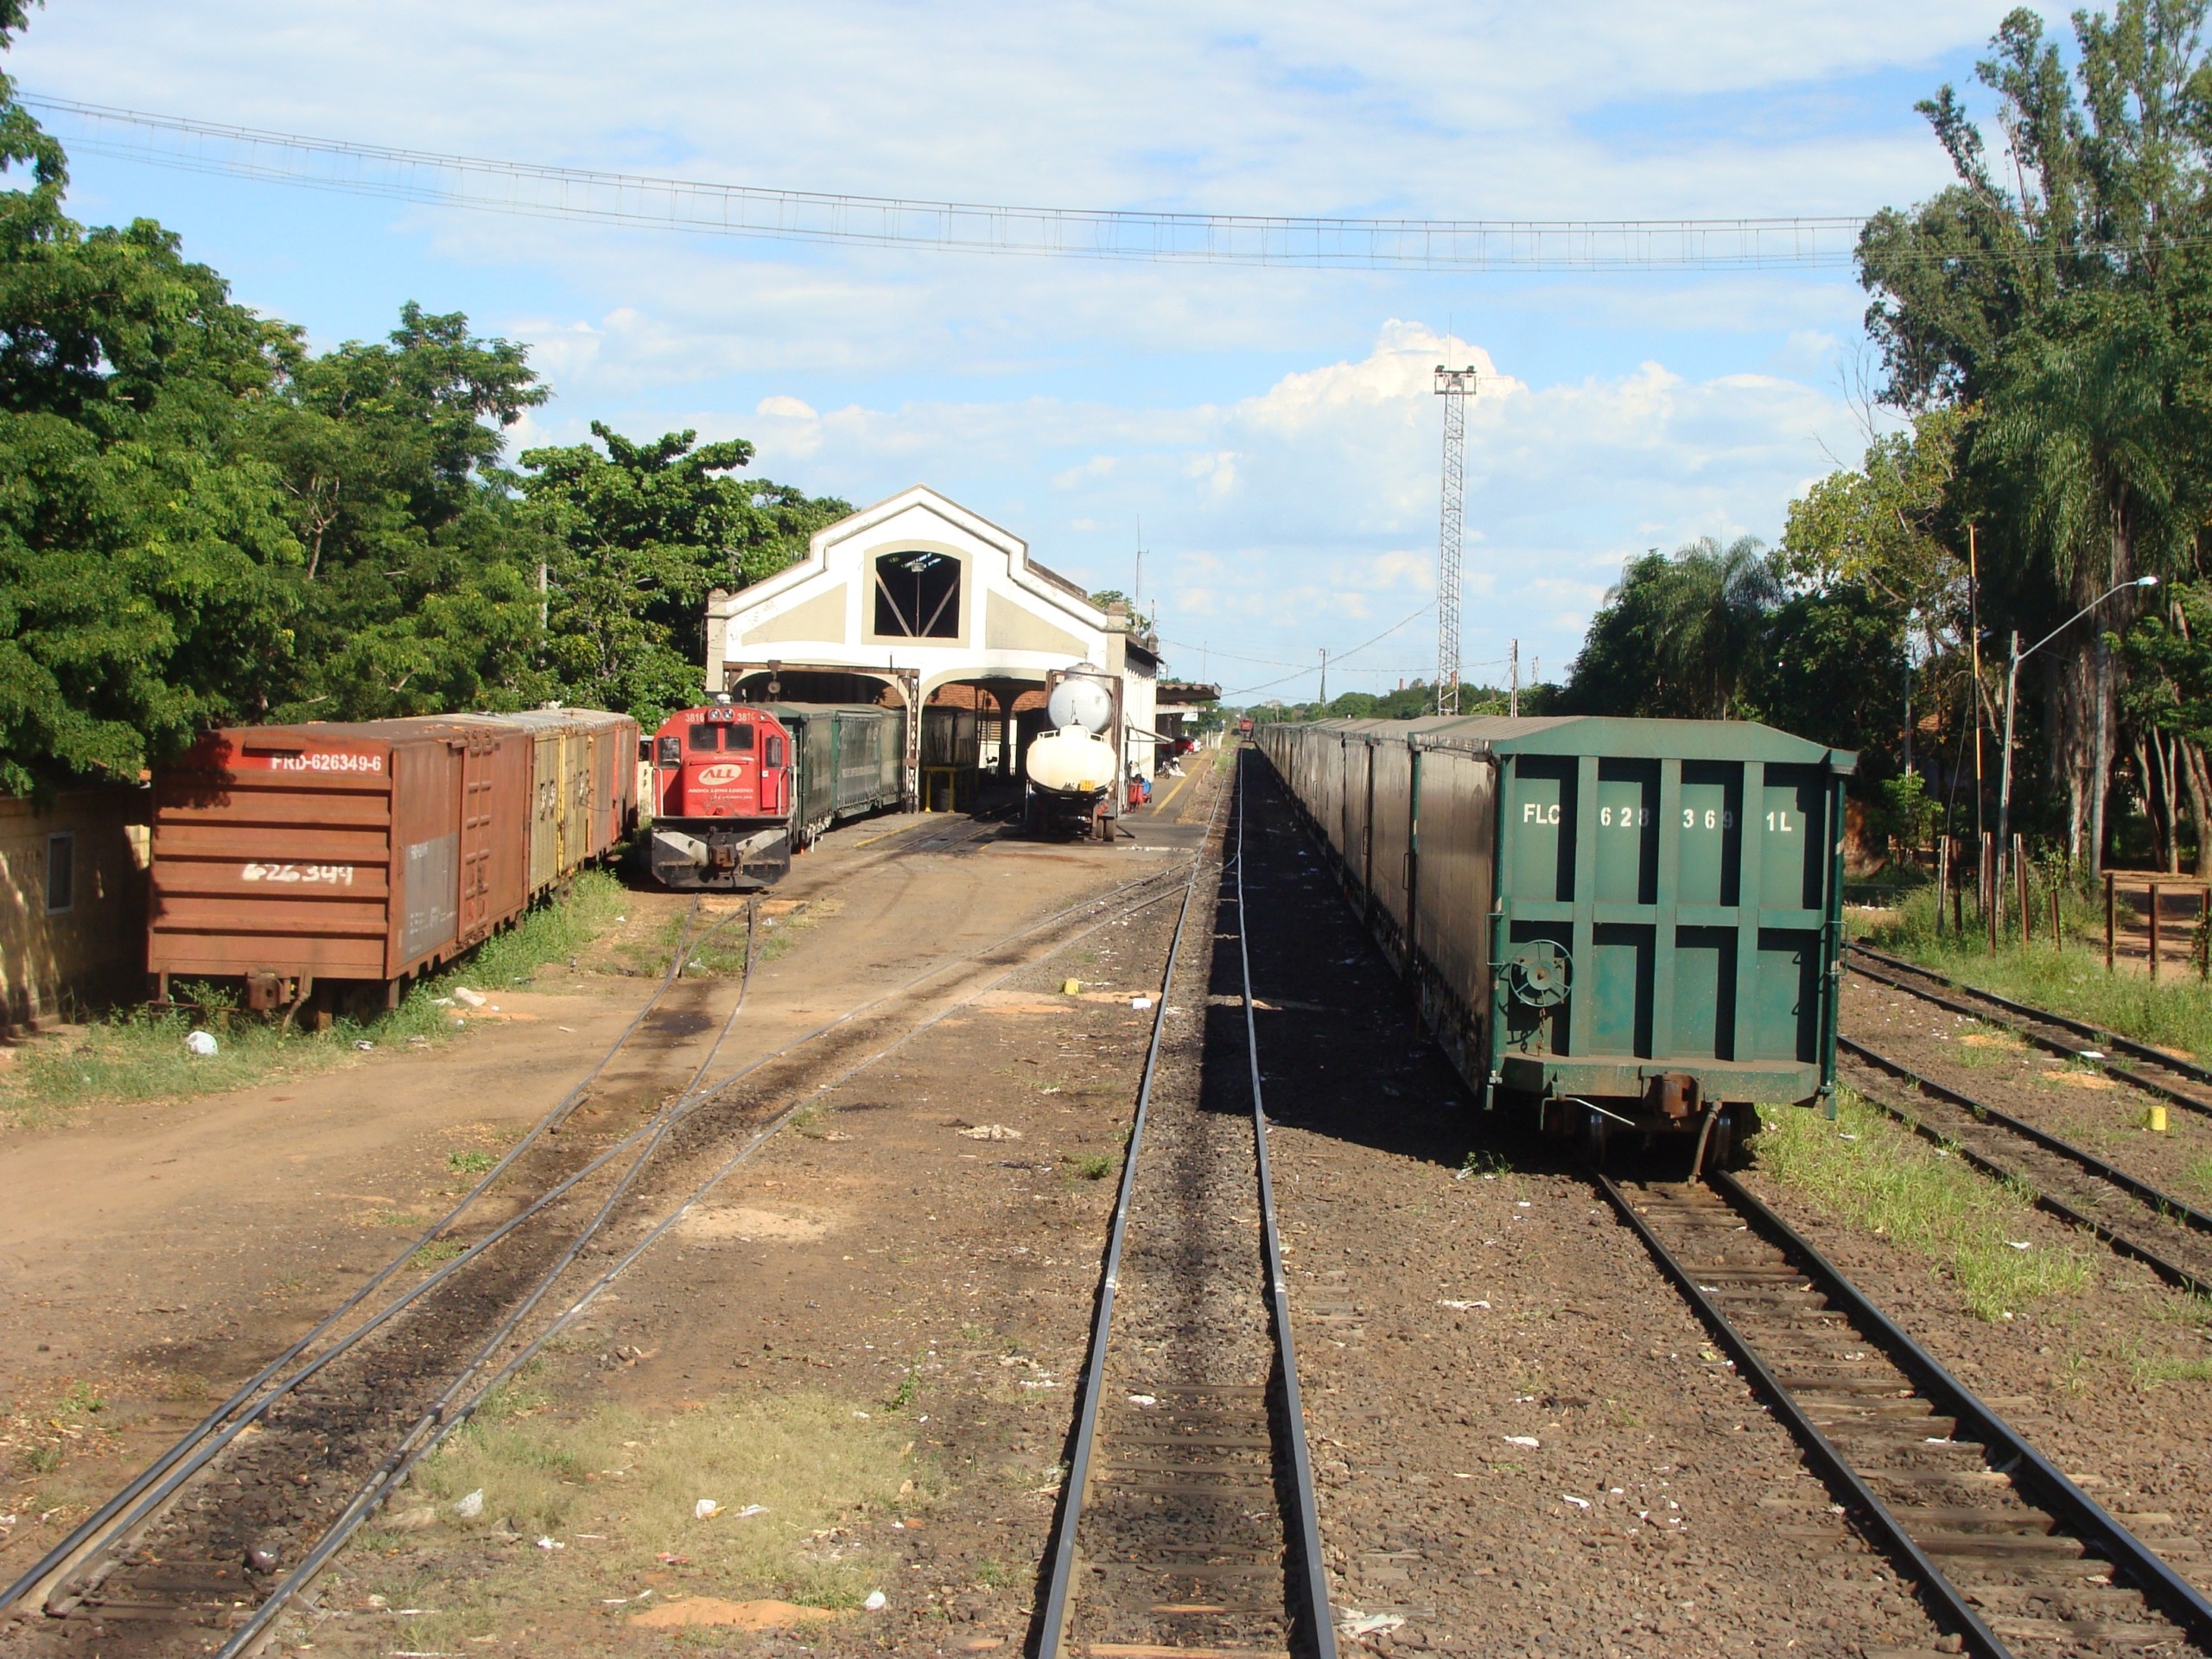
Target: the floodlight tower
(1454, 386)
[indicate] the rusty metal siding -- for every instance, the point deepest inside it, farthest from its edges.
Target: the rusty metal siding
(1391, 859)
(1356, 792)
(584, 787)
(1453, 869)
(272, 851)
(372, 850)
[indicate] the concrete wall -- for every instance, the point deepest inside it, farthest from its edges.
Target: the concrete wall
(73, 919)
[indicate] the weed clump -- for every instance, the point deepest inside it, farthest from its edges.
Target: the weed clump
(782, 1474)
(139, 1054)
(1865, 1170)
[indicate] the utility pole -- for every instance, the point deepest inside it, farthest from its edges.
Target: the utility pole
(1136, 598)
(1513, 683)
(1973, 695)
(1908, 713)
(1454, 386)
(1325, 679)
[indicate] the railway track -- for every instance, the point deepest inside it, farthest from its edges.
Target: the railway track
(1188, 1527)
(2169, 1077)
(209, 1542)
(2009, 1556)
(2166, 1234)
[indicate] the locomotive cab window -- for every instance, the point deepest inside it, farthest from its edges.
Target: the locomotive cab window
(739, 740)
(771, 752)
(703, 737)
(671, 752)
(918, 596)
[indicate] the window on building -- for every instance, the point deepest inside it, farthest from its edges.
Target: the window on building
(918, 596)
(61, 873)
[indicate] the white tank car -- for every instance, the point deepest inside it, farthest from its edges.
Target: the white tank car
(1072, 769)
(1071, 761)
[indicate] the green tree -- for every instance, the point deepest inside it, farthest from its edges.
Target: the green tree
(1680, 637)
(2070, 305)
(639, 534)
(142, 547)
(1831, 667)
(417, 593)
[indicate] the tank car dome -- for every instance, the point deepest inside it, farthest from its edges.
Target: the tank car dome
(1081, 700)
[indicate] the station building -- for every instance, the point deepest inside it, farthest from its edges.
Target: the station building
(917, 602)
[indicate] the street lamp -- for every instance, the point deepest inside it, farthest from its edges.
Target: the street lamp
(2012, 697)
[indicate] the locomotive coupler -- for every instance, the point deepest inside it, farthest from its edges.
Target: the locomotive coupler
(1672, 1095)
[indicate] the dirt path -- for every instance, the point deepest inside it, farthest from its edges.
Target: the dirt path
(155, 1255)
(898, 1290)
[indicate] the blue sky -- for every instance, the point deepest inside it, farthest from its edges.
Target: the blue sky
(1273, 430)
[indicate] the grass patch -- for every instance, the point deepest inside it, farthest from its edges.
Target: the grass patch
(471, 1163)
(554, 932)
(2200, 1173)
(1864, 1170)
(635, 1481)
(2175, 1013)
(138, 1054)
(2148, 1373)
(1091, 1166)
(437, 1250)
(717, 947)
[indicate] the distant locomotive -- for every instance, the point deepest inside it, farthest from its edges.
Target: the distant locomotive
(739, 787)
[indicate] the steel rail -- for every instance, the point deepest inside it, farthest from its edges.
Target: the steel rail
(680, 1108)
(1312, 1571)
(452, 1411)
(1052, 1621)
(2048, 1202)
(2025, 1011)
(459, 1401)
(429, 1434)
(201, 1445)
(1950, 1603)
(2181, 1210)
(2096, 1528)
(72, 1549)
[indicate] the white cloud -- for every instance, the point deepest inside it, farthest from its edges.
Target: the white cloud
(1297, 515)
(1275, 429)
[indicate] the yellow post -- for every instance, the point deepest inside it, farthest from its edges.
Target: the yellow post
(2155, 1120)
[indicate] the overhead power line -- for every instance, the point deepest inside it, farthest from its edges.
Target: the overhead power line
(708, 209)
(1336, 656)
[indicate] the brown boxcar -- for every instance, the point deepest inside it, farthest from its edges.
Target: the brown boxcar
(351, 857)
(584, 787)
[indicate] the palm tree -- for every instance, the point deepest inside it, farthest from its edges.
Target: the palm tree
(2082, 432)
(1715, 605)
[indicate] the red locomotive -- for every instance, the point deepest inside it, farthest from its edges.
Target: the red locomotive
(721, 797)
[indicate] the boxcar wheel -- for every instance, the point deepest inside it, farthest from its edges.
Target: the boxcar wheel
(1740, 1122)
(1593, 1135)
